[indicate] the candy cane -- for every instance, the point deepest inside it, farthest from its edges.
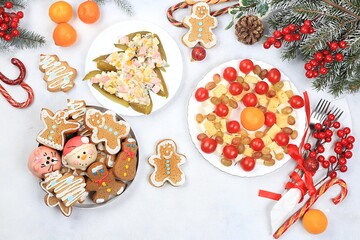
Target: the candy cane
(17, 81)
(182, 5)
(311, 201)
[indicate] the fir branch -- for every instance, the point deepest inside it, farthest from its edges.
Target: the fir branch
(17, 4)
(26, 39)
(123, 4)
(331, 3)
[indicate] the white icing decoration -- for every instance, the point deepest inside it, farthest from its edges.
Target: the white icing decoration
(76, 109)
(95, 169)
(85, 140)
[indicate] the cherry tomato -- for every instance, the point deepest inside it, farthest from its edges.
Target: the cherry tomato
(249, 100)
(230, 74)
(221, 110)
(201, 94)
(257, 144)
(270, 119)
(236, 88)
(261, 88)
(296, 102)
(274, 75)
(230, 152)
(246, 66)
(208, 145)
(247, 164)
(282, 139)
(233, 126)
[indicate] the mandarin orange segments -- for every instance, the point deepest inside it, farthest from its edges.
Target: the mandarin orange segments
(315, 221)
(64, 35)
(252, 118)
(89, 12)
(60, 12)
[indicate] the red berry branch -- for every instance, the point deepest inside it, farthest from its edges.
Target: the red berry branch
(9, 22)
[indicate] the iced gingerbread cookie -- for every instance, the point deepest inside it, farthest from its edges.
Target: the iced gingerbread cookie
(63, 191)
(106, 129)
(200, 24)
(58, 74)
(76, 110)
(167, 165)
(44, 160)
(104, 157)
(79, 153)
(126, 161)
(56, 127)
(103, 183)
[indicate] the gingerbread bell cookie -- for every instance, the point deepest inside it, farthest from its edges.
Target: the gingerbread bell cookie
(106, 129)
(200, 24)
(58, 75)
(102, 181)
(167, 165)
(57, 126)
(126, 161)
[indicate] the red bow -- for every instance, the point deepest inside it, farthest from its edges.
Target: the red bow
(128, 153)
(101, 180)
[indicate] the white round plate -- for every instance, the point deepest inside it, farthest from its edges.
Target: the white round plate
(195, 106)
(104, 44)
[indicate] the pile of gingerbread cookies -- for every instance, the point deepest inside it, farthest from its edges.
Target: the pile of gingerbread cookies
(83, 153)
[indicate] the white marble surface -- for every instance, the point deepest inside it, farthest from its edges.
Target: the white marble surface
(211, 204)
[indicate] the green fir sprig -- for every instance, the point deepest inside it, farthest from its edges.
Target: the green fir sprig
(123, 4)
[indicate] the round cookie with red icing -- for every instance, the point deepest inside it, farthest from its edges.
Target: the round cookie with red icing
(43, 160)
(79, 153)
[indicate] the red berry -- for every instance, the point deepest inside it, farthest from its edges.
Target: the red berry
(198, 53)
(343, 168)
(344, 141)
(326, 123)
(328, 133)
(314, 62)
(342, 44)
(315, 74)
(319, 56)
(321, 158)
(322, 135)
(333, 174)
(339, 57)
(277, 34)
(307, 23)
(277, 44)
(266, 45)
(333, 45)
(6, 19)
(285, 30)
(328, 58)
(318, 126)
(347, 130)
(2, 33)
(328, 139)
(292, 27)
(308, 66)
(340, 133)
(15, 32)
(348, 154)
(288, 38)
(349, 146)
(2, 10)
(20, 14)
(311, 30)
(342, 161)
(304, 30)
(351, 139)
(312, 154)
(7, 37)
(316, 135)
(331, 117)
(307, 146)
(336, 125)
(332, 159)
(338, 150)
(13, 25)
(338, 144)
(321, 149)
(297, 37)
(15, 19)
(325, 52)
(309, 74)
(311, 165)
(325, 164)
(8, 5)
(271, 39)
(322, 63)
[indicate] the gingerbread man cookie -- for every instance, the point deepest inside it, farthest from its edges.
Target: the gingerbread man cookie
(167, 165)
(58, 74)
(126, 161)
(63, 190)
(105, 128)
(56, 127)
(200, 24)
(102, 182)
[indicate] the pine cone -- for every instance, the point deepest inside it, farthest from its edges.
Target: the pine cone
(249, 29)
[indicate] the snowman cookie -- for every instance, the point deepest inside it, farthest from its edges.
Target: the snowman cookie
(79, 153)
(126, 161)
(200, 24)
(43, 160)
(102, 181)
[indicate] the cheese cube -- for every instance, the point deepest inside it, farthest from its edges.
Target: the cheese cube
(262, 100)
(240, 96)
(281, 120)
(248, 152)
(210, 128)
(273, 104)
(286, 85)
(273, 146)
(251, 79)
(278, 149)
(227, 138)
(219, 90)
(273, 131)
(207, 108)
(267, 140)
(283, 98)
(223, 125)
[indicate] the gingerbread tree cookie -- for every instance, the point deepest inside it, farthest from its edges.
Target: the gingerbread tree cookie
(200, 24)
(167, 165)
(105, 128)
(56, 127)
(126, 161)
(102, 182)
(57, 74)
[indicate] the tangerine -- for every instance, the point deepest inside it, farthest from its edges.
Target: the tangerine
(315, 221)
(252, 118)
(60, 12)
(89, 12)
(64, 35)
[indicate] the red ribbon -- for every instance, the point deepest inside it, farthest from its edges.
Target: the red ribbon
(128, 154)
(101, 180)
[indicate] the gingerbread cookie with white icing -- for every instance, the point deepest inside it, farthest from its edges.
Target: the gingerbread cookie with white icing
(102, 181)
(56, 128)
(167, 165)
(126, 161)
(58, 75)
(200, 24)
(106, 129)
